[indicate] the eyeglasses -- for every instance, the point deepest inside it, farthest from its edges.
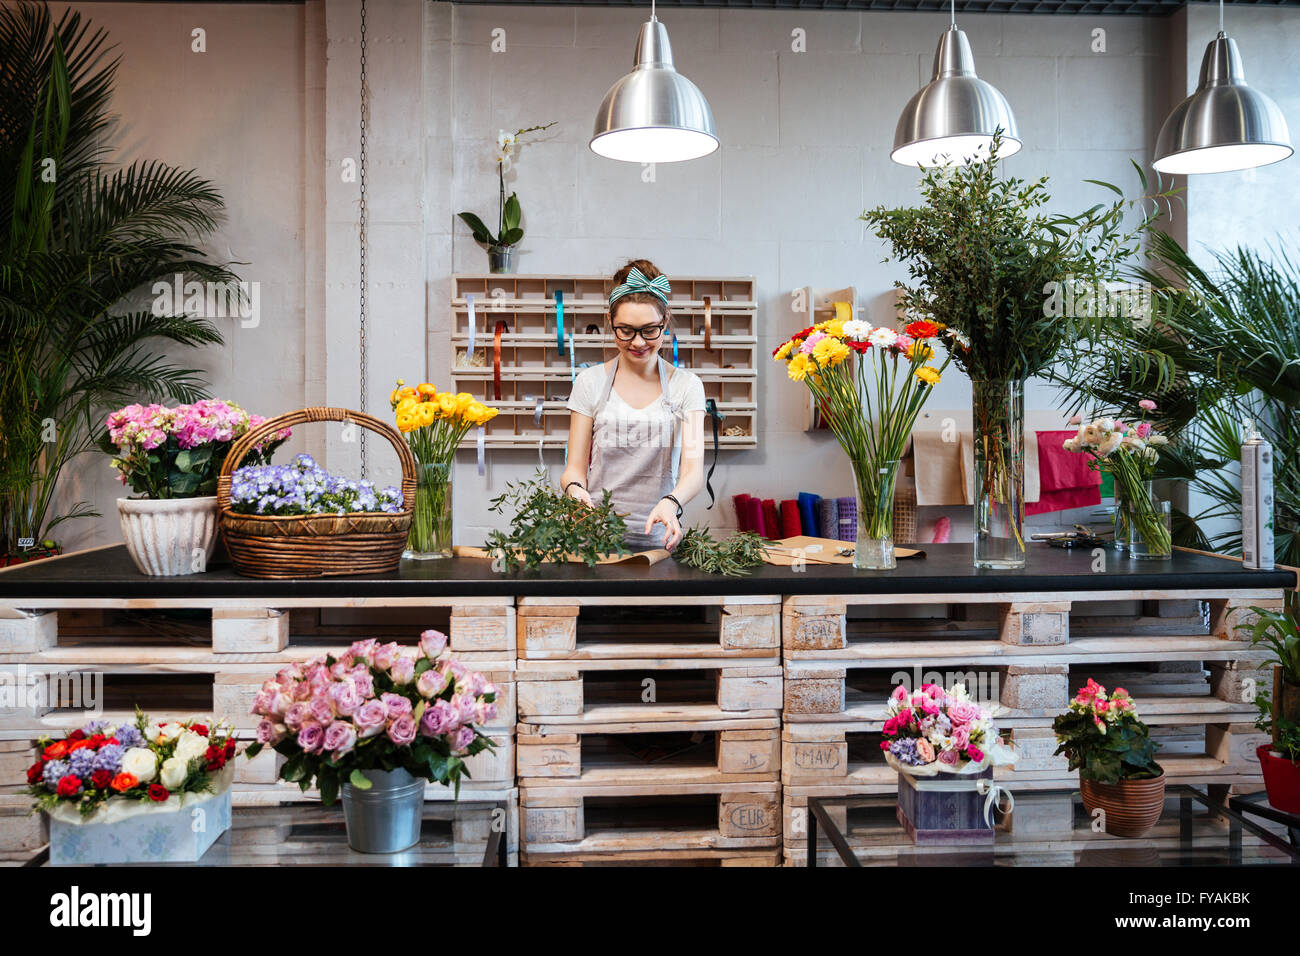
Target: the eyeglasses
(650, 333)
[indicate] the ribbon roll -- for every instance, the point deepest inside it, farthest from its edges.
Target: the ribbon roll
(481, 443)
(843, 311)
(559, 320)
(711, 409)
(708, 322)
(541, 461)
(496, 359)
(537, 412)
(573, 372)
(473, 323)
(994, 793)
(675, 356)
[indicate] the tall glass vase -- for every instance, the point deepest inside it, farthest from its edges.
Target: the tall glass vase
(999, 426)
(874, 549)
(430, 534)
(1142, 522)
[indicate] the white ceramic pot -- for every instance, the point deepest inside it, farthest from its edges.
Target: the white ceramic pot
(171, 536)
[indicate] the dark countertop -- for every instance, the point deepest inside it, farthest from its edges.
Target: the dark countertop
(109, 573)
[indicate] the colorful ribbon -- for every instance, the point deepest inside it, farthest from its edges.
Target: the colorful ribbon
(675, 355)
(843, 311)
(496, 359)
(708, 323)
(473, 322)
(559, 320)
(481, 443)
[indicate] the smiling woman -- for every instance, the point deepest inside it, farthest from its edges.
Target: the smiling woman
(637, 423)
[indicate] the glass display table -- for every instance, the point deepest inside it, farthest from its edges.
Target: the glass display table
(1052, 828)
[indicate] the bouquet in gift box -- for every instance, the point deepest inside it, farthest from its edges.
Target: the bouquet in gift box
(375, 707)
(146, 762)
(931, 731)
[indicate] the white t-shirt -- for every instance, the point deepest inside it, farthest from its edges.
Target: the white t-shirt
(684, 388)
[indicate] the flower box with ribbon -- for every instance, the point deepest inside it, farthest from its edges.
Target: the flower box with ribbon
(944, 747)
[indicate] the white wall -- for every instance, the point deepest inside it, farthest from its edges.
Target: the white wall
(270, 114)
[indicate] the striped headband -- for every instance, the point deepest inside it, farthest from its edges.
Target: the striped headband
(637, 282)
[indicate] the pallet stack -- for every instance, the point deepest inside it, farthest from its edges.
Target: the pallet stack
(175, 659)
(1025, 658)
(649, 733)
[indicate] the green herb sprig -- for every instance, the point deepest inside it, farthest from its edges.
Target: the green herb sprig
(737, 555)
(548, 526)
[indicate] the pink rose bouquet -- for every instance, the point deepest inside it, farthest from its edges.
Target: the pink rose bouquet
(933, 730)
(375, 707)
(178, 452)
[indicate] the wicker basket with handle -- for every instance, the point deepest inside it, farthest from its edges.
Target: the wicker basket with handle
(298, 546)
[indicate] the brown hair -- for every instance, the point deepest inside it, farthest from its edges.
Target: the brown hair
(650, 271)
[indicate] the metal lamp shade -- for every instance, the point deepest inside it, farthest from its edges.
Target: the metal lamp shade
(952, 119)
(654, 114)
(1225, 124)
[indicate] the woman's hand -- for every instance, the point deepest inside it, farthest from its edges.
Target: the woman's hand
(580, 493)
(665, 513)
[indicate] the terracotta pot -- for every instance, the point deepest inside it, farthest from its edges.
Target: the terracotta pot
(171, 536)
(1132, 807)
(1281, 780)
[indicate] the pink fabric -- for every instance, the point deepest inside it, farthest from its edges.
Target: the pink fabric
(771, 522)
(754, 515)
(742, 512)
(1065, 480)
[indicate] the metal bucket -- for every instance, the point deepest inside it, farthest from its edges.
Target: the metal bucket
(386, 818)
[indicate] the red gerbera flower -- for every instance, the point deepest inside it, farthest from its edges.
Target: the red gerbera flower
(860, 347)
(158, 793)
(921, 330)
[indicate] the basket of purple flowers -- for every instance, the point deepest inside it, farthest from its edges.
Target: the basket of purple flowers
(297, 520)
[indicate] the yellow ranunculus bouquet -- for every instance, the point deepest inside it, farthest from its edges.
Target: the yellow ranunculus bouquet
(870, 384)
(434, 423)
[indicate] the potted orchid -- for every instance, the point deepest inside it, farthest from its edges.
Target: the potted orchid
(171, 458)
(1112, 749)
(944, 746)
(1129, 452)
(501, 244)
(373, 724)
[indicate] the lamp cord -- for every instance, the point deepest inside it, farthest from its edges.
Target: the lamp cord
(361, 170)
(953, 13)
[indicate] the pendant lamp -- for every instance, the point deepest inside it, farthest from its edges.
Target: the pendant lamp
(1225, 124)
(654, 114)
(951, 120)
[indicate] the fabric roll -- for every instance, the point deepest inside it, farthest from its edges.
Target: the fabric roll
(1065, 480)
(742, 512)
(848, 515)
(790, 525)
(828, 517)
(808, 513)
(771, 522)
(754, 515)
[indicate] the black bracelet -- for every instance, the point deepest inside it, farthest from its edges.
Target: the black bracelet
(571, 484)
(680, 509)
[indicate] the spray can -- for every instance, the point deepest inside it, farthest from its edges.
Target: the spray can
(1256, 502)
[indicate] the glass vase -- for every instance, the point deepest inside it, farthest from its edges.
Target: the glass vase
(1142, 523)
(430, 534)
(874, 549)
(998, 415)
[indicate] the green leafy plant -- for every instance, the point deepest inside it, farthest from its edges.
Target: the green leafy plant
(1287, 741)
(982, 254)
(1279, 632)
(81, 241)
(509, 213)
(549, 526)
(1103, 738)
(738, 554)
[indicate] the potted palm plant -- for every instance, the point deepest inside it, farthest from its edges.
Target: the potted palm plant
(1113, 751)
(501, 244)
(1279, 631)
(78, 248)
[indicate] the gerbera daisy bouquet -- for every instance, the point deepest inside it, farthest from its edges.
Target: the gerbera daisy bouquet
(870, 384)
(932, 730)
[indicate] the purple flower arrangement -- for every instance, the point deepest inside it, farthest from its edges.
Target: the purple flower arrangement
(178, 452)
(303, 488)
(375, 707)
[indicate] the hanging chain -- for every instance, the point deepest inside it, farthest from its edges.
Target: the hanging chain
(361, 175)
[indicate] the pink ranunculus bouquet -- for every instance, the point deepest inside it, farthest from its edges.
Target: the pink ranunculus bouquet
(178, 452)
(375, 707)
(931, 730)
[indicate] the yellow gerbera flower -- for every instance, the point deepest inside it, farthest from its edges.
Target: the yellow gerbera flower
(798, 367)
(928, 374)
(783, 352)
(919, 351)
(830, 352)
(835, 327)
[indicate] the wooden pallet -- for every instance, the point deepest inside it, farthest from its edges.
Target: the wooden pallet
(747, 626)
(646, 692)
(629, 822)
